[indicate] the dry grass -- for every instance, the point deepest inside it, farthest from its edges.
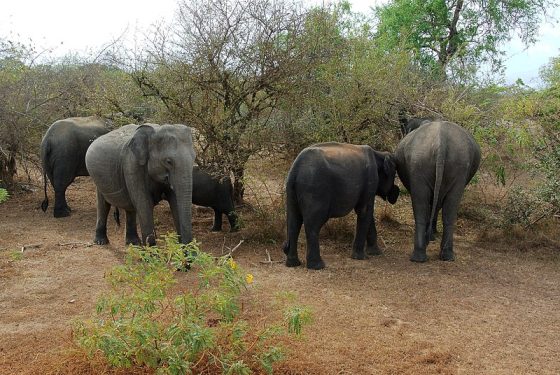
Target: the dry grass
(492, 311)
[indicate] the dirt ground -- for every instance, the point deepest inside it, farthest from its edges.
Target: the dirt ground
(495, 310)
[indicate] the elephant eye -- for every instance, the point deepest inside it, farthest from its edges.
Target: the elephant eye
(168, 162)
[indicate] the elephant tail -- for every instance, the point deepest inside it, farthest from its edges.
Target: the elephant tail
(440, 165)
(44, 157)
(293, 215)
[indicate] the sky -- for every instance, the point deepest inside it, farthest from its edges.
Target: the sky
(81, 26)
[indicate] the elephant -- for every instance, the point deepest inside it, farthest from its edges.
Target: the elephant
(210, 191)
(63, 151)
(435, 163)
(134, 167)
(328, 180)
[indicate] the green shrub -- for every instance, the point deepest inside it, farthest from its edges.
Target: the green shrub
(141, 322)
(4, 195)
(520, 208)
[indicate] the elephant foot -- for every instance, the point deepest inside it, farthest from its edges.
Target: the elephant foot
(447, 256)
(62, 212)
(358, 256)
(214, 229)
(101, 240)
(432, 237)
(316, 265)
(373, 250)
(132, 241)
(293, 262)
(418, 257)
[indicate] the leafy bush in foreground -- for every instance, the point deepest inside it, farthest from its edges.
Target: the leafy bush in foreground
(141, 322)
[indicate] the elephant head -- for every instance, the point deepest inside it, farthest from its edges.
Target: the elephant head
(165, 154)
(386, 170)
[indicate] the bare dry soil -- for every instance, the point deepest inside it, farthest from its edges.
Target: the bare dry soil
(495, 310)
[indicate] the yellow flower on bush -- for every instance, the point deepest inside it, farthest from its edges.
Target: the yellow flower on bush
(232, 263)
(249, 278)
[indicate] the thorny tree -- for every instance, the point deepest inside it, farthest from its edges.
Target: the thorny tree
(221, 67)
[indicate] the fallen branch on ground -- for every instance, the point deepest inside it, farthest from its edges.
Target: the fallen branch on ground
(31, 246)
(269, 261)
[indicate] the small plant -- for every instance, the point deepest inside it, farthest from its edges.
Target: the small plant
(16, 255)
(141, 322)
(4, 195)
(520, 208)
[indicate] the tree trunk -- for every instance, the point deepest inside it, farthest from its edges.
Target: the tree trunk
(7, 170)
(238, 185)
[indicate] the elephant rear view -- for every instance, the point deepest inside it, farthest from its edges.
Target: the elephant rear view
(435, 163)
(134, 167)
(329, 180)
(63, 152)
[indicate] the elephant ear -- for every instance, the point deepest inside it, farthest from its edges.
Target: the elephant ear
(139, 144)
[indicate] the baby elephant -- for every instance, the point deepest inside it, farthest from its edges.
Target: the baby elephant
(329, 180)
(210, 191)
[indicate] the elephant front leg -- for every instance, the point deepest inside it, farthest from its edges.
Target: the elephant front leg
(131, 237)
(103, 208)
(217, 227)
(145, 212)
(363, 221)
(372, 247)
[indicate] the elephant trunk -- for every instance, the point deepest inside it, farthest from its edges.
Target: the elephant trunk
(183, 194)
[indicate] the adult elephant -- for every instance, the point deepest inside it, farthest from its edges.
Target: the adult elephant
(435, 163)
(216, 193)
(63, 151)
(329, 180)
(134, 167)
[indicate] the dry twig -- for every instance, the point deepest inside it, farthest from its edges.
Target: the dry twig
(269, 261)
(31, 246)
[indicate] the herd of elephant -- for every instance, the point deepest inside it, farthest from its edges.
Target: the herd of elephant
(136, 166)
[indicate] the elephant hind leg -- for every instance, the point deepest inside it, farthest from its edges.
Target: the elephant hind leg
(421, 208)
(62, 178)
(103, 208)
(315, 218)
(295, 220)
(449, 216)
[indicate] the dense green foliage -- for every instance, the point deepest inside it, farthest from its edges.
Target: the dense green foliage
(144, 321)
(464, 34)
(547, 150)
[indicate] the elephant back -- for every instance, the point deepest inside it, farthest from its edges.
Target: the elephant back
(104, 159)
